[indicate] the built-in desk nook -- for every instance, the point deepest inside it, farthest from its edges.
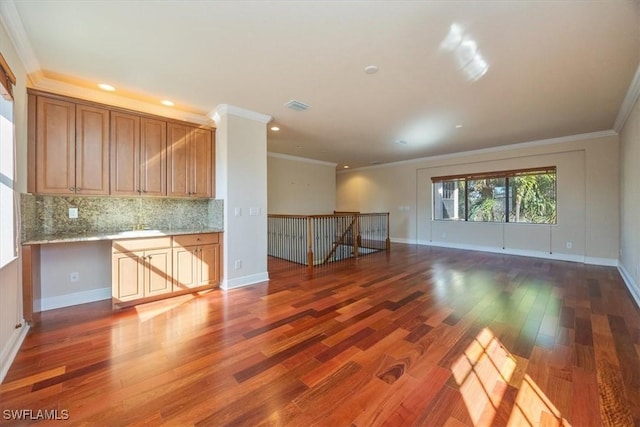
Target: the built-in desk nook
(145, 265)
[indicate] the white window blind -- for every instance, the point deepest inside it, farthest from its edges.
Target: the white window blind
(7, 169)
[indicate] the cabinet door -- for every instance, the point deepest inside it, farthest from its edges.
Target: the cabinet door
(201, 151)
(178, 160)
(153, 157)
(125, 154)
(55, 146)
(158, 278)
(92, 150)
(209, 265)
(127, 276)
(185, 268)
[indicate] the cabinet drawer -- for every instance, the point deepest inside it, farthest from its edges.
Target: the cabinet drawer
(196, 239)
(128, 245)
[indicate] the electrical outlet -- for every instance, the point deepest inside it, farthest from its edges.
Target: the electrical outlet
(74, 277)
(237, 211)
(238, 264)
(73, 213)
(569, 245)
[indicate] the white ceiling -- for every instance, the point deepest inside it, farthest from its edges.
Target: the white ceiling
(555, 68)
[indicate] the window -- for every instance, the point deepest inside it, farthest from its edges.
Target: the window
(523, 196)
(7, 166)
(450, 196)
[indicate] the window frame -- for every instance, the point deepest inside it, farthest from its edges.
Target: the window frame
(507, 175)
(8, 241)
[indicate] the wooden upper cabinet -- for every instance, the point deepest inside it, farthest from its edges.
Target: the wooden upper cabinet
(125, 154)
(202, 159)
(178, 160)
(153, 157)
(138, 155)
(72, 148)
(80, 147)
(190, 161)
(55, 146)
(92, 150)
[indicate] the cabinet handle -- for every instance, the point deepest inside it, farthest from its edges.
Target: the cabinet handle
(149, 257)
(72, 188)
(78, 188)
(144, 191)
(138, 190)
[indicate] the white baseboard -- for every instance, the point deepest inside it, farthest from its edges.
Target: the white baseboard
(401, 240)
(633, 287)
(607, 262)
(11, 349)
(509, 251)
(240, 282)
(84, 297)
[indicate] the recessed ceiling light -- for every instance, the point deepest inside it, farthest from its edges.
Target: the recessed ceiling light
(167, 103)
(275, 128)
(106, 87)
(346, 166)
(371, 69)
(458, 126)
(400, 142)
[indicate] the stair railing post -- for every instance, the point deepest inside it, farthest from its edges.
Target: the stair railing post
(310, 242)
(356, 234)
(388, 241)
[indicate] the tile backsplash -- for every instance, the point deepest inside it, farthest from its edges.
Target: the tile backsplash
(49, 215)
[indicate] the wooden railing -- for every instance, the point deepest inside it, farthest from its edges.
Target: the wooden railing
(318, 239)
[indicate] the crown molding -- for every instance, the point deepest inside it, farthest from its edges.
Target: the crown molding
(225, 109)
(13, 24)
(633, 93)
(529, 144)
(301, 159)
(40, 82)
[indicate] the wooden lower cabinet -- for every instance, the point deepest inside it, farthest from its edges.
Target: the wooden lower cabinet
(159, 267)
(196, 261)
(141, 273)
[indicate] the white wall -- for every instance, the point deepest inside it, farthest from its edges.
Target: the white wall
(300, 186)
(91, 260)
(241, 180)
(10, 275)
(630, 201)
(587, 199)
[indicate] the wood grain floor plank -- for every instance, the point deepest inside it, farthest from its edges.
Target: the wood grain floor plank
(380, 340)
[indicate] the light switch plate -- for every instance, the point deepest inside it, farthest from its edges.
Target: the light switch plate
(73, 213)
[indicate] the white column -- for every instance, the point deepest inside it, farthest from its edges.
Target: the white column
(241, 181)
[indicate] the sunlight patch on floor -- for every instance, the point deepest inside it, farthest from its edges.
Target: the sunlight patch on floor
(483, 373)
(150, 310)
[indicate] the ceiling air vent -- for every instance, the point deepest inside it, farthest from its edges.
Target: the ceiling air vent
(297, 105)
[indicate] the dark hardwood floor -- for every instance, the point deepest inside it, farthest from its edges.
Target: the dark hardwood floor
(417, 336)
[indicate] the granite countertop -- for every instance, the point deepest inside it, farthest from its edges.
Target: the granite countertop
(115, 235)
